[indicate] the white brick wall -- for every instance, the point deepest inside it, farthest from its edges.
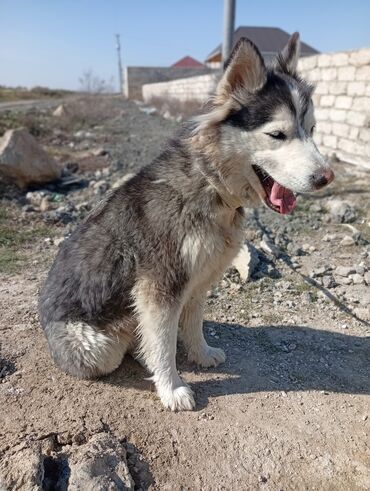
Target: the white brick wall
(183, 89)
(342, 103)
(342, 100)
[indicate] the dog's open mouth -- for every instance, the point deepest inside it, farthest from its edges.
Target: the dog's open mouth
(278, 198)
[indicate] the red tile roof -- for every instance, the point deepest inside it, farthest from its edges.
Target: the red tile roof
(187, 62)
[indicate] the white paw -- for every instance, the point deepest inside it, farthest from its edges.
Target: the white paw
(208, 357)
(179, 399)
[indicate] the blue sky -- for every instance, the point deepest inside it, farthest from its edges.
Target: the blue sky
(51, 42)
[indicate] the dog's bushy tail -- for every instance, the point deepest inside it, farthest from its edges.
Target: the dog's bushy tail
(82, 350)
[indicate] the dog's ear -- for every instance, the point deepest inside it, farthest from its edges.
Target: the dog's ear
(244, 71)
(287, 60)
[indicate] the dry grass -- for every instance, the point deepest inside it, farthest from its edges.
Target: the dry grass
(82, 112)
(16, 237)
(88, 110)
(32, 120)
(8, 94)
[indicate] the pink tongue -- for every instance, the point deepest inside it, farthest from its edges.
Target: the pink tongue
(282, 198)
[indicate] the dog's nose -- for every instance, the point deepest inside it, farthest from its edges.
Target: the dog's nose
(323, 179)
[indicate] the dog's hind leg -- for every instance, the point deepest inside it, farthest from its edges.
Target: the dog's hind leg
(191, 332)
(157, 329)
(85, 351)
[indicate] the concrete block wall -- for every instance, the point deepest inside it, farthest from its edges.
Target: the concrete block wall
(342, 100)
(136, 76)
(342, 103)
(183, 89)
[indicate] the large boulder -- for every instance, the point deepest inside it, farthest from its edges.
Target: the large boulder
(24, 161)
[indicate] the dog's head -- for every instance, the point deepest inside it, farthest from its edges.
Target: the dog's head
(265, 123)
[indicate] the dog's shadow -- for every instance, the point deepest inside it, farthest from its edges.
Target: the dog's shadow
(270, 358)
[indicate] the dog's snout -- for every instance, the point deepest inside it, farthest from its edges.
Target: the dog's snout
(323, 179)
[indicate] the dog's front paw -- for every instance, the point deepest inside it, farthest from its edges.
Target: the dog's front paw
(208, 356)
(179, 399)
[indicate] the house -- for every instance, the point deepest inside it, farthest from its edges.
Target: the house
(187, 62)
(269, 40)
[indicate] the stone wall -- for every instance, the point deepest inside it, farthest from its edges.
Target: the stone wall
(136, 76)
(342, 103)
(198, 88)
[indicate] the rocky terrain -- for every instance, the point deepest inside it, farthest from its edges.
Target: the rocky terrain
(290, 407)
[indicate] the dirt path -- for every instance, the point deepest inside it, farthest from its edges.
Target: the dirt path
(288, 410)
(30, 104)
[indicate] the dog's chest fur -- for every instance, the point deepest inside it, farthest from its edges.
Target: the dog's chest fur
(208, 252)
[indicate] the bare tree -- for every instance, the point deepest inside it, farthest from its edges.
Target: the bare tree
(92, 84)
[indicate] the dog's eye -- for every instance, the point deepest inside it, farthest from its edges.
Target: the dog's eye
(312, 129)
(277, 135)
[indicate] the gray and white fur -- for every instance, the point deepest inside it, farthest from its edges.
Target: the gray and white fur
(134, 275)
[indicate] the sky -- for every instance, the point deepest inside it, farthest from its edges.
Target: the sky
(52, 42)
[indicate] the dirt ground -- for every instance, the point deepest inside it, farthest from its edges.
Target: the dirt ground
(290, 408)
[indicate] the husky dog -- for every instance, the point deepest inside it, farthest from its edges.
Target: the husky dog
(135, 273)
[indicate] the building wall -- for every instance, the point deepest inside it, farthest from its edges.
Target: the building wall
(198, 88)
(136, 76)
(342, 100)
(342, 103)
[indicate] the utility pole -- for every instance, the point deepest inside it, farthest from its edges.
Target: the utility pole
(229, 21)
(120, 77)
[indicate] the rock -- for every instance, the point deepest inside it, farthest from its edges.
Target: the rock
(269, 247)
(367, 277)
(45, 204)
(81, 135)
(357, 279)
(35, 197)
(320, 271)
(71, 182)
(347, 241)
(308, 248)
(58, 241)
(341, 211)
(246, 261)
(98, 152)
(360, 269)
(106, 172)
(24, 161)
(344, 271)
(148, 110)
(100, 465)
(328, 282)
(100, 187)
(167, 115)
(295, 250)
(22, 470)
(122, 180)
(355, 233)
(329, 237)
(316, 208)
(342, 280)
(60, 111)
(362, 313)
